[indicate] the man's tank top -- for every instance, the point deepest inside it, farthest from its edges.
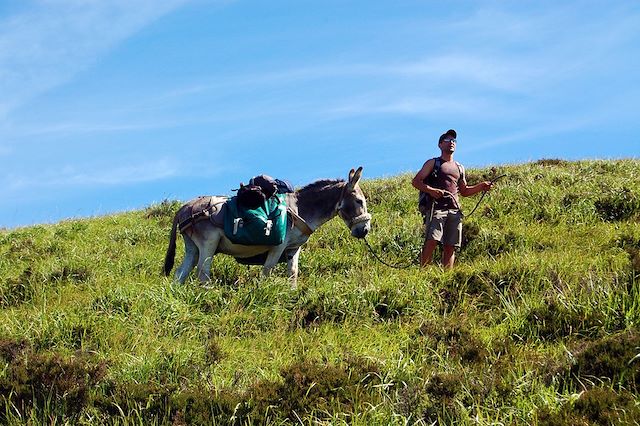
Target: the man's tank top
(446, 177)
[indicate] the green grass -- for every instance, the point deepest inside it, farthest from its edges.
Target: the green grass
(536, 324)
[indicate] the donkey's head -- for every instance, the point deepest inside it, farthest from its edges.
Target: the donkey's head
(352, 206)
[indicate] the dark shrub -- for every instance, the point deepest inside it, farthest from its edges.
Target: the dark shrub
(462, 283)
(470, 232)
(309, 387)
(315, 309)
(18, 290)
(151, 401)
(63, 384)
(634, 257)
(554, 320)
(388, 304)
(614, 357)
(410, 400)
(112, 304)
(617, 205)
(82, 336)
(631, 244)
(442, 389)
(455, 335)
(213, 353)
(598, 406)
(78, 274)
(546, 162)
(164, 210)
(165, 404)
(201, 407)
(11, 349)
(570, 199)
(444, 386)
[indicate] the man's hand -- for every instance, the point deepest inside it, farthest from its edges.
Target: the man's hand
(437, 193)
(486, 185)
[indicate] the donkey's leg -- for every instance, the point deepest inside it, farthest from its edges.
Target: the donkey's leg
(292, 267)
(207, 249)
(189, 261)
(272, 259)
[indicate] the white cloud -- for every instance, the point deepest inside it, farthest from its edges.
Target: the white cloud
(50, 41)
(74, 177)
(75, 128)
(426, 105)
(527, 134)
(485, 72)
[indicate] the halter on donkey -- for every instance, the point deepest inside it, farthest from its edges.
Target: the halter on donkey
(312, 205)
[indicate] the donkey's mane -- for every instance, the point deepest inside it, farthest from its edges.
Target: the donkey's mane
(317, 185)
(310, 203)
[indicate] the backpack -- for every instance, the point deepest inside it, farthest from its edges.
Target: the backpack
(271, 185)
(260, 189)
(424, 199)
(251, 196)
(257, 215)
(264, 225)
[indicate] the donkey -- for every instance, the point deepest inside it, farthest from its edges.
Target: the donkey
(309, 208)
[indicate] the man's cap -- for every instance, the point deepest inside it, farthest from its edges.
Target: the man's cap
(449, 134)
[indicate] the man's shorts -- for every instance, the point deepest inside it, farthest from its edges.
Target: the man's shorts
(445, 227)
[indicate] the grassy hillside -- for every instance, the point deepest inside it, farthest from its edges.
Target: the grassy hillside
(537, 324)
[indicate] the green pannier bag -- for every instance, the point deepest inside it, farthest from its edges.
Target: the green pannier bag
(265, 225)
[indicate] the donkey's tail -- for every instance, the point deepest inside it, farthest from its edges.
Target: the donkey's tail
(171, 250)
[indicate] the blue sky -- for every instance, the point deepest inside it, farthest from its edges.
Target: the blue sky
(113, 105)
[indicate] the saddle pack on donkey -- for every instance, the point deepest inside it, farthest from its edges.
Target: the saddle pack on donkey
(257, 215)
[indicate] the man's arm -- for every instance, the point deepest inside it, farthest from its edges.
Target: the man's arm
(418, 180)
(467, 191)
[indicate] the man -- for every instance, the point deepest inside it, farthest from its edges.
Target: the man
(439, 181)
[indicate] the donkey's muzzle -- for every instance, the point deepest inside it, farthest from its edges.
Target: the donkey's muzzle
(360, 231)
(360, 225)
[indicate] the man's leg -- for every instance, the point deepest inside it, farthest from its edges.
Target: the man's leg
(426, 256)
(452, 238)
(433, 236)
(448, 256)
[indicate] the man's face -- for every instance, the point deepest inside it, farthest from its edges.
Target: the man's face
(448, 145)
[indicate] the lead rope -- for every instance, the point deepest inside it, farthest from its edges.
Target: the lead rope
(408, 265)
(395, 266)
(484, 193)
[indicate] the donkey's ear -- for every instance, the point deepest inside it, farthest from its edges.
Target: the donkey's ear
(351, 173)
(355, 177)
